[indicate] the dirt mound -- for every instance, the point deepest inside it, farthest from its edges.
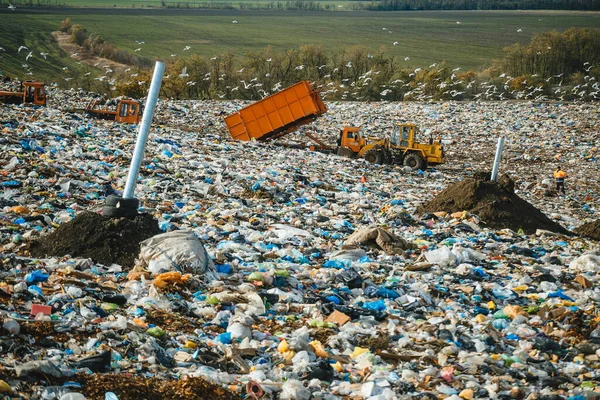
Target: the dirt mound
(105, 240)
(494, 202)
(128, 387)
(590, 230)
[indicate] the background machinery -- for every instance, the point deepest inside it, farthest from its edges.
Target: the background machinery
(125, 111)
(29, 93)
(283, 112)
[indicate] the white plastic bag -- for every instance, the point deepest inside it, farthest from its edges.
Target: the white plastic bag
(442, 257)
(176, 251)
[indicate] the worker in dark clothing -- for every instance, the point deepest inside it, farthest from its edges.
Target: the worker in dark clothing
(559, 178)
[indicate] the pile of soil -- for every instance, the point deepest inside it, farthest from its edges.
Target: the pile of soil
(494, 202)
(129, 387)
(590, 230)
(105, 240)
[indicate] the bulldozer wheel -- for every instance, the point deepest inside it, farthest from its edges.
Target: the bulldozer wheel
(373, 156)
(345, 152)
(414, 161)
(387, 157)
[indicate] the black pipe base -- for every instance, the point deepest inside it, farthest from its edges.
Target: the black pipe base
(115, 206)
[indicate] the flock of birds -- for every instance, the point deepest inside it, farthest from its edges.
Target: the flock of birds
(353, 89)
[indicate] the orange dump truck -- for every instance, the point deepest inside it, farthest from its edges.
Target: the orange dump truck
(276, 115)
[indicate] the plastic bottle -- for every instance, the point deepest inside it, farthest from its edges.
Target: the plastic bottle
(54, 392)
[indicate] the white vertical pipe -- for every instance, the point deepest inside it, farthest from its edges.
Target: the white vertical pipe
(497, 159)
(140, 145)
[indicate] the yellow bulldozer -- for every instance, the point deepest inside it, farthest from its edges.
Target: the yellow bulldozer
(401, 147)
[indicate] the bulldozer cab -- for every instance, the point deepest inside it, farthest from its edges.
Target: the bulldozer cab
(352, 138)
(34, 93)
(128, 112)
(403, 135)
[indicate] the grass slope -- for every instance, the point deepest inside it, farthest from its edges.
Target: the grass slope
(426, 37)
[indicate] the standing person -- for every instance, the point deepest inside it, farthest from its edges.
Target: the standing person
(559, 178)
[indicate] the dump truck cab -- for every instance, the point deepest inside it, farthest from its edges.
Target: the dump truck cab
(353, 143)
(29, 93)
(352, 138)
(129, 112)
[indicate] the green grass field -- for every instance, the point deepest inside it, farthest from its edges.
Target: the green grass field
(425, 37)
(337, 4)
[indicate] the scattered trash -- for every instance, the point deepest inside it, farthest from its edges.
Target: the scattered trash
(261, 271)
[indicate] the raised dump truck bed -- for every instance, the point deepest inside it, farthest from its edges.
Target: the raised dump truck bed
(277, 114)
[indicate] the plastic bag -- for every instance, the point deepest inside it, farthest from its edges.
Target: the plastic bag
(177, 251)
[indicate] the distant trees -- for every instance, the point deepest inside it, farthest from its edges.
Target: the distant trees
(65, 25)
(553, 53)
(405, 5)
(552, 66)
(361, 74)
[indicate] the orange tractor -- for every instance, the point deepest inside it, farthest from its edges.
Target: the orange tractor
(29, 93)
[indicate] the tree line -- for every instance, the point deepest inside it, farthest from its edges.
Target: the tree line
(408, 5)
(553, 65)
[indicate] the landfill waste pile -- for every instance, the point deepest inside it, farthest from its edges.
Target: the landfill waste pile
(495, 203)
(590, 230)
(273, 272)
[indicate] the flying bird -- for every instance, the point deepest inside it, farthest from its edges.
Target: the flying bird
(22, 48)
(186, 48)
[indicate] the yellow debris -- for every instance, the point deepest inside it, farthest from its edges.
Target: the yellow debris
(358, 351)
(283, 346)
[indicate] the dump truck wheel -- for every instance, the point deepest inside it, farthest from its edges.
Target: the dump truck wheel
(345, 152)
(373, 156)
(414, 161)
